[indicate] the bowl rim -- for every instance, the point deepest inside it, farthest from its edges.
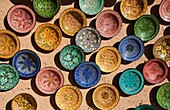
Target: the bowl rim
(161, 11)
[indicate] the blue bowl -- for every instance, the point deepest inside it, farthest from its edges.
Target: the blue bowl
(27, 63)
(87, 74)
(145, 107)
(131, 48)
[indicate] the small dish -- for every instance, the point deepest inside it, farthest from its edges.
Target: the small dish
(164, 10)
(89, 39)
(131, 48)
(105, 96)
(48, 36)
(155, 71)
(21, 18)
(145, 107)
(9, 45)
(131, 81)
(108, 59)
(91, 7)
(108, 23)
(87, 74)
(71, 56)
(72, 20)
(133, 9)
(146, 27)
(68, 98)
(27, 63)
(49, 79)
(9, 77)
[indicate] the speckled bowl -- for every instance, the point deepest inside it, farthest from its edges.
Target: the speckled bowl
(164, 10)
(145, 107)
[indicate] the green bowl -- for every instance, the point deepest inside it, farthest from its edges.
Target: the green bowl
(145, 107)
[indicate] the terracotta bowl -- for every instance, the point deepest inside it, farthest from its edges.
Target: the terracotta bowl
(49, 79)
(21, 18)
(164, 10)
(108, 23)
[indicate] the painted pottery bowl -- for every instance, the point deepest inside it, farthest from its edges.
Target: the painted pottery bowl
(155, 71)
(163, 96)
(164, 10)
(9, 45)
(91, 7)
(48, 36)
(161, 48)
(105, 96)
(89, 39)
(71, 56)
(108, 23)
(21, 18)
(46, 8)
(146, 27)
(49, 79)
(145, 107)
(131, 48)
(72, 20)
(133, 9)
(87, 74)
(8, 77)
(68, 97)
(108, 59)
(131, 81)
(27, 63)
(24, 101)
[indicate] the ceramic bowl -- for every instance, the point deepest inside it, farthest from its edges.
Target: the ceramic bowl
(155, 71)
(133, 9)
(145, 107)
(131, 81)
(49, 79)
(8, 77)
(21, 18)
(87, 74)
(24, 101)
(9, 45)
(105, 96)
(146, 27)
(46, 8)
(108, 23)
(108, 59)
(164, 10)
(161, 48)
(27, 63)
(131, 48)
(72, 20)
(91, 7)
(48, 36)
(163, 96)
(89, 39)
(71, 56)
(68, 98)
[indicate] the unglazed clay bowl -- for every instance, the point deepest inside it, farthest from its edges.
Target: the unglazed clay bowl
(48, 36)
(8, 77)
(164, 10)
(27, 63)
(133, 9)
(108, 59)
(89, 39)
(145, 107)
(72, 20)
(24, 101)
(155, 71)
(105, 96)
(21, 18)
(9, 44)
(68, 97)
(146, 27)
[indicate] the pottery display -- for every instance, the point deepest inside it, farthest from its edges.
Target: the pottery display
(164, 10)
(145, 107)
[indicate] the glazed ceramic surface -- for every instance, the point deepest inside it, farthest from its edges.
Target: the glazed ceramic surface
(105, 96)
(8, 77)
(72, 20)
(146, 27)
(145, 107)
(71, 56)
(48, 36)
(164, 10)
(68, 98)
(89, 39)
(9, 44)
(27, 63)
(133, 9)
(108, 23)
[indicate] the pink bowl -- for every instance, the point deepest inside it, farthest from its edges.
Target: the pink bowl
(164, 10)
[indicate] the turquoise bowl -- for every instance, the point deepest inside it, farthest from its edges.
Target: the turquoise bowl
(145, 107)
